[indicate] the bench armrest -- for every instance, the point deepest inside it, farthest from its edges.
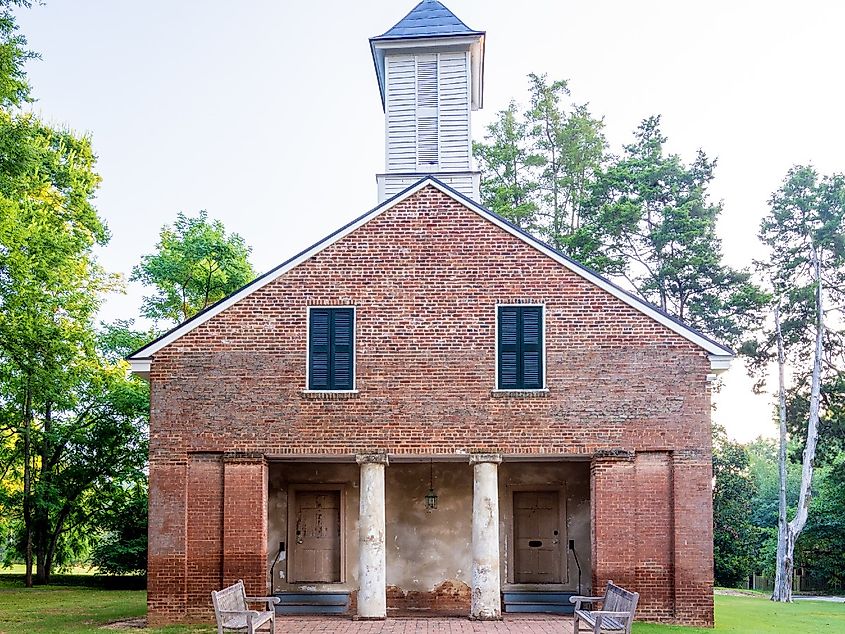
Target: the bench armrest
(578, 600)
(268, 600)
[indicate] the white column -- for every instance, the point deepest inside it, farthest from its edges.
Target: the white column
(372, 561)
(486, 586)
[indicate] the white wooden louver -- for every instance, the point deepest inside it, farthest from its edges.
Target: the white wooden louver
(428, 106)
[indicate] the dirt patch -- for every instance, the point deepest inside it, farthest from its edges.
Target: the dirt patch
(127, 624)
(733, 592)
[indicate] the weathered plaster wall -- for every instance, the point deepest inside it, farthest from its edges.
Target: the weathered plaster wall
(575, 478)
(282, 475)
(429, 553)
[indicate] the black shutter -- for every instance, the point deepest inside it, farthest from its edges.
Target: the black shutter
(331, 349)
(520, 348)
(508, 348)
(318, 349)
(532, 347)
(343, 334)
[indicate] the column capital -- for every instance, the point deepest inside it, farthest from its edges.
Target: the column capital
(372, 458)
(478, 458)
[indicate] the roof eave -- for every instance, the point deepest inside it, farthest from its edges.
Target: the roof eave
(379, 65)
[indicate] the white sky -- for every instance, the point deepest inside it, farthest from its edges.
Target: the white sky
(267, 114)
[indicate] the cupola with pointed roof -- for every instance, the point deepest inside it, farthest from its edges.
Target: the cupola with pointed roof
(430, 72)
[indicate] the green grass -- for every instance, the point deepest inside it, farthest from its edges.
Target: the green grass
(75, 609)
(71, 608)
(756, 614)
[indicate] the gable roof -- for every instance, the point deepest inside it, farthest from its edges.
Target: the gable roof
(720, 355)
(428, 19)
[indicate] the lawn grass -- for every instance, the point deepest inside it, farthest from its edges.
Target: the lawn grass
(72, 609)
(75, 609)
(756, 614)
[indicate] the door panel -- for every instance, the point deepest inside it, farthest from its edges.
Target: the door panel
(316, 556)
(537, 537)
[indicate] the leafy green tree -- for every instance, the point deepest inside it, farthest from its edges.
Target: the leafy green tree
(538, 166)
(805, 233)
(508, 184)
(196, 265)
(658, 233)
(734, 491)
(122, 549)
(71, 423)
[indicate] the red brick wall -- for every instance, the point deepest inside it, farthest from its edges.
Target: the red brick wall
(425, 278)
(245, 523)
(205, 531)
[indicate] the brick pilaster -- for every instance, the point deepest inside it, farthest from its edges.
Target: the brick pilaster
(613, 495)
(167, 550)
(245, 521)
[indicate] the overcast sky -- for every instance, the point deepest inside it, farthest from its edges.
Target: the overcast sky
(267, 113)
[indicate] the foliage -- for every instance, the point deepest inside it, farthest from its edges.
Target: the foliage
(805, 235)
(658, 229)
(72, 425)
(196, 265)
(821, 552)
(807, 214)
(538, 166)
(644, 217)
(733, 495)
(123, 549)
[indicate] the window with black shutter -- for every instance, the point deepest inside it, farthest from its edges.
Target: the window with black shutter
(331, 349)
(520, 348)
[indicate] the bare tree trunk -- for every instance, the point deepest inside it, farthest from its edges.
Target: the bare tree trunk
(783, 571)
(794, 528)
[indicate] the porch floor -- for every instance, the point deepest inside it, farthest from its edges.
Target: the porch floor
(511, 624)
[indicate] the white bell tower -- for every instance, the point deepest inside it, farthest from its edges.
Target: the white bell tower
(430, 71)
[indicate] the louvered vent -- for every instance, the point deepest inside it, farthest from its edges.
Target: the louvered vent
(428, 105)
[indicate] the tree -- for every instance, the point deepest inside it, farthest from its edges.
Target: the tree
(196, 265)
(658, 232)
(508, 185)
(71, 422)
(538, 166)
(122, 549)
(805, 233)
(734, 534)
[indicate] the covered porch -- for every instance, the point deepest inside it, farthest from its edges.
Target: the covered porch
(478, 535)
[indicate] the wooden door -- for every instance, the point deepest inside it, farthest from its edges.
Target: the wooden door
(316, 547)
(537, 537)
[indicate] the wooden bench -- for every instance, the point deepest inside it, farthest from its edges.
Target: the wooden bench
(232, 611)
(617, 610)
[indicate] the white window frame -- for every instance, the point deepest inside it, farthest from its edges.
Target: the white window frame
(496, 387)
(306, 389)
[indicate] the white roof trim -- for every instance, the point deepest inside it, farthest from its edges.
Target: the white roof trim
(140, 366)
(714, 349)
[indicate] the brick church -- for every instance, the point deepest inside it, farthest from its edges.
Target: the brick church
(429, 410)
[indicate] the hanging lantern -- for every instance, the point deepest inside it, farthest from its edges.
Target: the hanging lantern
(431, 496)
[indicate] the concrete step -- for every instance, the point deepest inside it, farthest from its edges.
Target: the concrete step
(312, 603)
(545, 602)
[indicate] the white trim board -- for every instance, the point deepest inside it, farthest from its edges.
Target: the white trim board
(719, 355)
